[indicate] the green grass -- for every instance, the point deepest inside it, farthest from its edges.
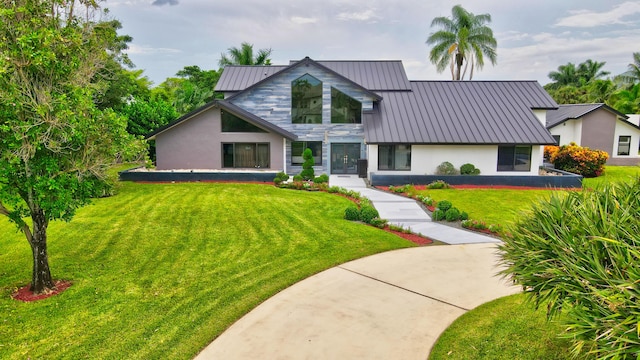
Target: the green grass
(502, 206)
(160, 270)
(506, 328)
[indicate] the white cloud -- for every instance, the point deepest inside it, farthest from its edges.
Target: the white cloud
(303, 20)
(368, 15)
(148, 50)
(589, 18)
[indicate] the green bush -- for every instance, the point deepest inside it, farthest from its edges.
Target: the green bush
(464, 216)
(379, 223)
(579, 160)
(324, 178)
(578, 253)
(452, 214)
(444, 205)
(446, 168)
(469, 169)
(438, 184)
(333, 189)
(352, 213)
(368, 213)
(425, 199)
(280, 178)
(438, 215)
(298, 177)
(307, 172)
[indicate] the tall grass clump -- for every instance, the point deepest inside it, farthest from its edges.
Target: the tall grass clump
(578, 254)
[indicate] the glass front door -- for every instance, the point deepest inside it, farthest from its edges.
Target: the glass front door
(344, 158)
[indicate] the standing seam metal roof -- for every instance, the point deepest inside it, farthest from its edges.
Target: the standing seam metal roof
(382, 75)
(575, 111)
(462, 112)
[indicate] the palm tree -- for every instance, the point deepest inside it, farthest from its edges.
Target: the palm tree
(244, 56)
(632, 75)
(566, 75)
(591, 70)
(464, 39)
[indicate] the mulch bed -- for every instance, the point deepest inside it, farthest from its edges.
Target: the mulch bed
(25, 295)
(414, 238)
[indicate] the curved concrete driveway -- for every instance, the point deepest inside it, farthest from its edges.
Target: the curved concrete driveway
(392, 305)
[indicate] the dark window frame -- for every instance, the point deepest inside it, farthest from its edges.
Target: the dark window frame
(510, 155)
(557, 139)
(305, 144)
(350, 103)
(228, 121)
(628, 145)
(257, 156)
(392, 164)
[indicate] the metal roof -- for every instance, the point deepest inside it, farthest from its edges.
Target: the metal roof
(576, 111)
(375, 75)
(461, 112)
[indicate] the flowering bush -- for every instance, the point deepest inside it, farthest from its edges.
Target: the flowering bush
(580, 160)
(550, 150)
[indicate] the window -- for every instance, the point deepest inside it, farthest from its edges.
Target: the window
(232, 123)
(306, 100)
(245, 155)
(624, 145)
(297, 147)
(394, 157)
(344, 109)
(557, 139)
(514, 158)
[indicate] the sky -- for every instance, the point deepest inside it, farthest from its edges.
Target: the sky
(534, 37)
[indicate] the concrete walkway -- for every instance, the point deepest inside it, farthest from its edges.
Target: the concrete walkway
(405, 212)
(392, 305)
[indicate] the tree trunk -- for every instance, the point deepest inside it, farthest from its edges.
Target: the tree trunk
(459, 62)
(41, 278)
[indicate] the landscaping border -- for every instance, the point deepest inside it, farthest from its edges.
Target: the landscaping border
(195, 175)
(567, 180)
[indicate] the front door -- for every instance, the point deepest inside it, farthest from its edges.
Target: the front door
(344, 158)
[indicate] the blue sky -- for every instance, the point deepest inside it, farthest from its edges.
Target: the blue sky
(534, 37)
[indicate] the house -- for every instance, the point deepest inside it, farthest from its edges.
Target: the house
(597, 126)
(350, 111)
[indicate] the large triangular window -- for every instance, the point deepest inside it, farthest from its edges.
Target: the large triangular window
(344, 108)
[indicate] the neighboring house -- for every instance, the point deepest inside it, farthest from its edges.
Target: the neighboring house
(597, 126)
(345, 111)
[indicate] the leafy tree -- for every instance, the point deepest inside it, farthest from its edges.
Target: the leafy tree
(464, 39)
(627, 101)
(590, 70)
(191, 89)
(147, 115)
(55, 144)
(632, 75)
(245, 56)
(572, 75)
(565, 75)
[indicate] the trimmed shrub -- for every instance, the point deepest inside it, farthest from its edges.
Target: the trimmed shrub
(444, 205)
(469, 169)
(280, 178)
(438, 184)
(324, 178)
(368, 213)
(307, 172)
(446, 168)
(578, 254)
(580, 160)
(425, 199)
(452, 214)
(298, 177)
(438, 215)
(464, 216)
(352, 213)
(333, 189)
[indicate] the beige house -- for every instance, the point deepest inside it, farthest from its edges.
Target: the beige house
(597, 126)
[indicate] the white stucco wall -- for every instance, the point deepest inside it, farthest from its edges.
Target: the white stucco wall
(541, 115)
(426, 158)
(622, 129)
(569, 131)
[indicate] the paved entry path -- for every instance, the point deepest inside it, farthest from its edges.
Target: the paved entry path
(392, 305)
(406, 212)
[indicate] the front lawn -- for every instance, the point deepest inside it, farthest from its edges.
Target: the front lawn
(160, 270)
(506, 328)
